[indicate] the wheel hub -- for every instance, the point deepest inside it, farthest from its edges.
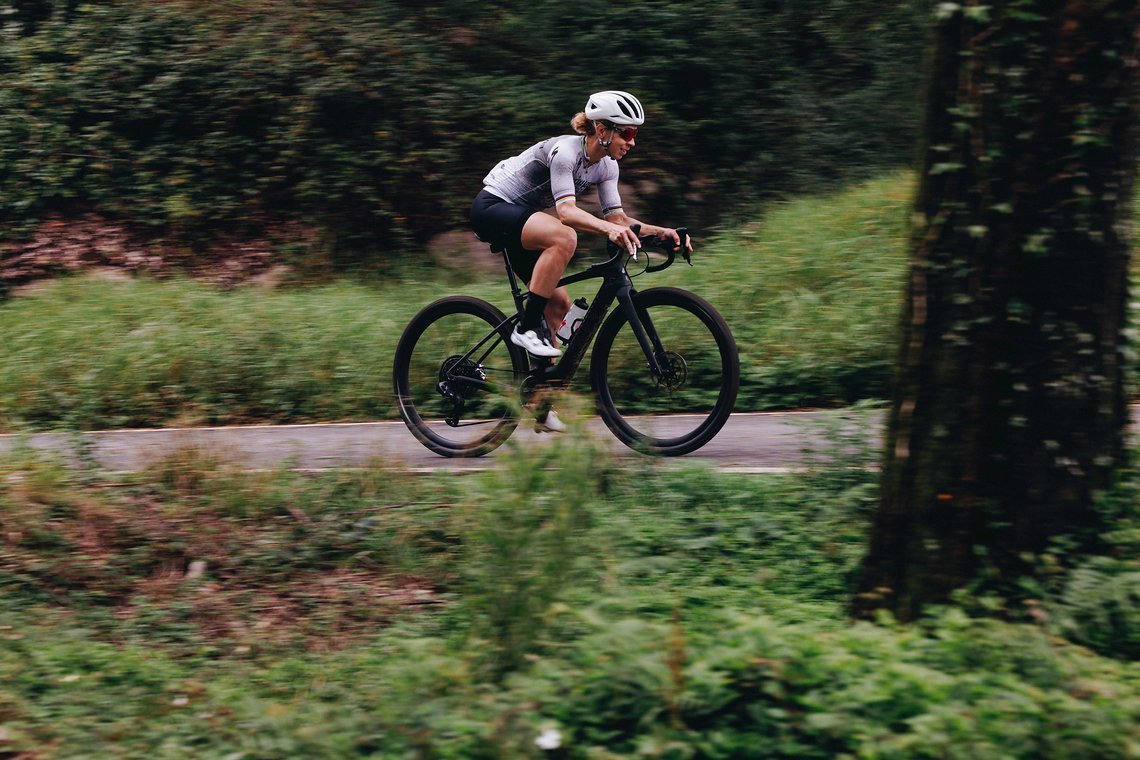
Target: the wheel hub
(460, 372)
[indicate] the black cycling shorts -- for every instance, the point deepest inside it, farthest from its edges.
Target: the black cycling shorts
(500, 223)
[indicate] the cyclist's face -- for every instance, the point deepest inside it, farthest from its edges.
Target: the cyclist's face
(619, 145)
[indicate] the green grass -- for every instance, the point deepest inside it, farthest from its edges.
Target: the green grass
(812, 294)
(143, 353)
(639, 612)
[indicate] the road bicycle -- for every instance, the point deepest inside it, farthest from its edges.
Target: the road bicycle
(664, 367)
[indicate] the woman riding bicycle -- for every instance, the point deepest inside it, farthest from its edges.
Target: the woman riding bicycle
(664, 367)
(552, 173)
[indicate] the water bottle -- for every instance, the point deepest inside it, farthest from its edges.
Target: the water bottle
(573, 319)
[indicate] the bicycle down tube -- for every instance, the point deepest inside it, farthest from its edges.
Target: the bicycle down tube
(616, 285)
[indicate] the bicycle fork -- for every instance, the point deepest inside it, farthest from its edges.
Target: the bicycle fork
(642, 327)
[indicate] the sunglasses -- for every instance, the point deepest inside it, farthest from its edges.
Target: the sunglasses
(626, 133)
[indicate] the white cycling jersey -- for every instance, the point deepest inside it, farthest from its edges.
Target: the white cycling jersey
(552, 172)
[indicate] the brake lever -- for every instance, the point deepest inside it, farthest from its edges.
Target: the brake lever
(683, 233)
(668, 246)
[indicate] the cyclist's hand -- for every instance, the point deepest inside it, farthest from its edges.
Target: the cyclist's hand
(623, 237)
(665, 233)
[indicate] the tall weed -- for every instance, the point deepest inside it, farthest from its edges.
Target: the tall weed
(526, 540)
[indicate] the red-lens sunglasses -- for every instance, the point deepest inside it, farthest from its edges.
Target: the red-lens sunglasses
(626, 133)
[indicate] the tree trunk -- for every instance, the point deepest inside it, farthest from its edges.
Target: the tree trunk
(1009, 411)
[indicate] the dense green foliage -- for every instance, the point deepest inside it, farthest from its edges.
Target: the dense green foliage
(373, 123)
(811, 295)
(654, 612)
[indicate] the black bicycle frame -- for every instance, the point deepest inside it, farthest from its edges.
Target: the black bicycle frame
(616, 285)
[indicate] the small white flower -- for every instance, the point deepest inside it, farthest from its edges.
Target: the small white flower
(550, 738)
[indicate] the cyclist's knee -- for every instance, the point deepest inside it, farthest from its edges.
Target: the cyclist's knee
(566, 242)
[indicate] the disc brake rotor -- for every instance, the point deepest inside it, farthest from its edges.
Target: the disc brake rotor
(674, 371)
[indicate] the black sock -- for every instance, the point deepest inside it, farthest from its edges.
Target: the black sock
(532, 317)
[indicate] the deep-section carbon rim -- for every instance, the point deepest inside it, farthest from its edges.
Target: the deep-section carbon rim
(683, 409)
(456, 377)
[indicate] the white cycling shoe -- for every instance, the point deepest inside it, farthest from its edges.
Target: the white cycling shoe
(534, 345)
(549, 423)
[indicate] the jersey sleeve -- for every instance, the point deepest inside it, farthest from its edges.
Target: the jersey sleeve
(608, 196)
(562, 163)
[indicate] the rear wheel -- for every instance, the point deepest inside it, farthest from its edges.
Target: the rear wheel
(457, 377)
(683, 408)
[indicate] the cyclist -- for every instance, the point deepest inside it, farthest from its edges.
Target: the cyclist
(552, 173)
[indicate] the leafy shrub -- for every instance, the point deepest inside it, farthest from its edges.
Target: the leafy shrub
(756, 687)
(760, 688)
(1100, 606)
(1095, 594)
(695, 614)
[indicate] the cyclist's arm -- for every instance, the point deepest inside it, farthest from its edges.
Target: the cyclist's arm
(583, 221)
(562, 189)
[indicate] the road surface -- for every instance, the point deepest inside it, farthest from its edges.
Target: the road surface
(761, 442)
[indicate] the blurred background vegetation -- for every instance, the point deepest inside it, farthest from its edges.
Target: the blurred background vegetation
(355, 132)
(812, 295)
(343, 139)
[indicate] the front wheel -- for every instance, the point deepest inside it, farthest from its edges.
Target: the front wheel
(457, 377)
(681, 409)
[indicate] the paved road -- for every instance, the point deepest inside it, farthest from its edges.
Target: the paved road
(749, 442)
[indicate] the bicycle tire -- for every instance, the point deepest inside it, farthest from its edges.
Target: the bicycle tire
(681, 412)
(433, 382)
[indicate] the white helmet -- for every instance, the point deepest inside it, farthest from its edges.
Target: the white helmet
(616, 107)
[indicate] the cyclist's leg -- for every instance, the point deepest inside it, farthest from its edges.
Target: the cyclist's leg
(557, 243)
(501, 223)
(556, 309)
